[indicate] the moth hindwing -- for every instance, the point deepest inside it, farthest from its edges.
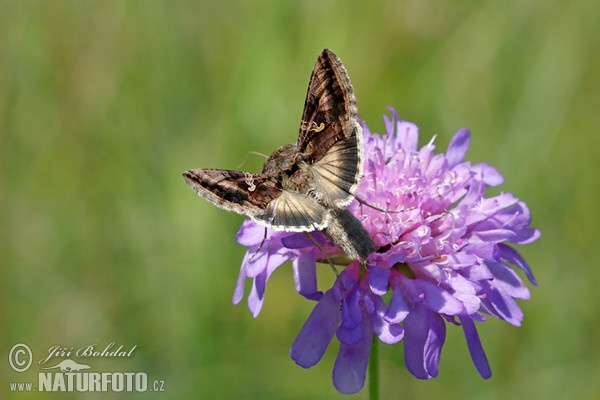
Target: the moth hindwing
(304, 186)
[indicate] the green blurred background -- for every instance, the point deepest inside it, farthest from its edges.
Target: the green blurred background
(104, 103)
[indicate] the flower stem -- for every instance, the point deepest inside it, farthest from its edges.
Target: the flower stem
(374, 370)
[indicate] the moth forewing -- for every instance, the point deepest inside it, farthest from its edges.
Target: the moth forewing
(229, 190)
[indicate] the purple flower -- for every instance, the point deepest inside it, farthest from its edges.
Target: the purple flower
(443, 257)
(267, 250)
(352, 312)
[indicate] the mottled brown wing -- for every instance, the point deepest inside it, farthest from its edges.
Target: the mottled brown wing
(330, 136)
(258, 197)
(240, 192)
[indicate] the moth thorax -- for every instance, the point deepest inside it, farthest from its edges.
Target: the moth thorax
(308, 183)
(282, 159)
(302, 180)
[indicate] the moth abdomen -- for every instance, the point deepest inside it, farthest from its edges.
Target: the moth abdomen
(348, 232)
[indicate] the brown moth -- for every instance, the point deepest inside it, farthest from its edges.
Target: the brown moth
(305, 186)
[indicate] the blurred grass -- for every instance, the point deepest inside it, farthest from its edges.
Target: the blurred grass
(104, 104)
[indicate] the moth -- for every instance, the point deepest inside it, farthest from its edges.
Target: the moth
(305, 186)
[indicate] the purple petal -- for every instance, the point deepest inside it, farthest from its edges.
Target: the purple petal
(435, 165)
(351, 335)
(238, 292)
(256, 263)
(460, 284)
(495, 235)
(389, 333)
(398, 308)
(369, 304)
(471, 200)
(459, 144)
(317, 332)
(305, 276)
(497, 203)
(462, 259)
(408, 134)
(378, 280)
(300, 241)
(389, 122)
(250, 233)
(434, 344)
(483, 250)
(424, 335)
(508, 281)
(525, 234)
(352, 314)
(512, 256)
(257, 293)
(365, 128)
(275, 260)
(500, 304)
(350, 369)
(475, 348)
(489, 175)
(477, 272)
(438, 299)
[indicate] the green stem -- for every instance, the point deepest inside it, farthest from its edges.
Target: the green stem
(374, 370)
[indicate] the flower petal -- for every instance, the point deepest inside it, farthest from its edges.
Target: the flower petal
(475, 349)
(352, 314)
(238, 292)
(438, 299)
(305, 276)
(350, 369)
(251, 233)
(257, 293)
(398, 308)
(508, 280)
(489, 175)
(512, 256)
(350, 335)
(498, 303)
(459, 144)
(317, 332)
(300, 241)
(378, 280)
(389, 333)
(424, 335)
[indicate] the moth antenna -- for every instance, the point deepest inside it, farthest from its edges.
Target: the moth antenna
(256, 153)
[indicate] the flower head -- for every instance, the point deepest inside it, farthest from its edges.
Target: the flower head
(443, 257)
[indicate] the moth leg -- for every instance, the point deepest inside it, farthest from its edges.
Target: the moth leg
(331, 264)
(374, 207)
(260, 245)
